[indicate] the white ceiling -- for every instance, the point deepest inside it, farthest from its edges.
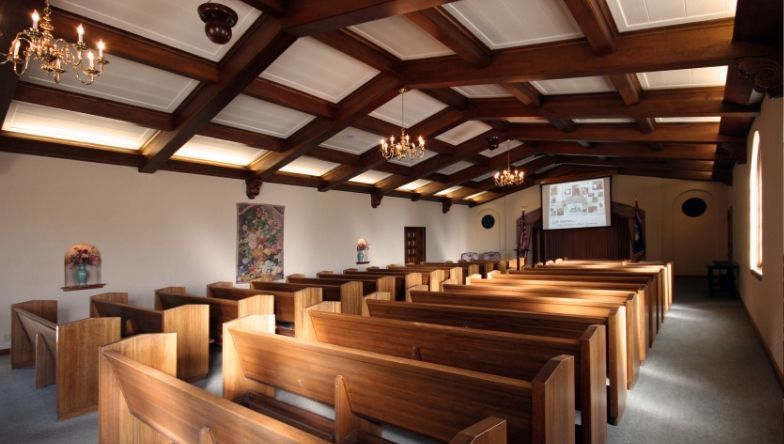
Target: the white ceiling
(506, 23)
(55, 123)
(484, 176)
(412, 162)
(310, 166)
(703, 119)
(418, 106)
(505, 146)
(252, 114)
(448, 190)
(575, 85)
(684, 78)
(402, 38)
(475, 196)
(482, 91)
(463, 132)
(352, 140)
(370, 177)
(522, 162)
(126, 82)
(455, 167)
(320, 70)
(173, 23)
(218, 151)
(411, 186)
(632, 15)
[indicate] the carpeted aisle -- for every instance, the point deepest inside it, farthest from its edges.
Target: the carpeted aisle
(707, 380)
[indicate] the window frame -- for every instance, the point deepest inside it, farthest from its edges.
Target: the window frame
(755, 209)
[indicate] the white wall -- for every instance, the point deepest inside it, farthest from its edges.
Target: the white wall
(180, 229)
(699, 240)
(763, 297)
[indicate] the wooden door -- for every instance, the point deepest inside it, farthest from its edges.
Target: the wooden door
(414, 245)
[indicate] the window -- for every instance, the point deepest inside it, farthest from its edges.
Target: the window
(755, 207)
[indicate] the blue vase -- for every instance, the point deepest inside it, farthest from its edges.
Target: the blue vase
(361, 256)
(82, 275)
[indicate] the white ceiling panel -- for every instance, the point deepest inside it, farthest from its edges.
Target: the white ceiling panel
(527, 120)
(455, 167)
(54, 123)
(524, 161)
(505, 146)
(320, 70)
(449, 190)
(219, 151)
(412, 162)
(418, 107)
(576, 85)
(172, 23)
(310, 166)
(463, 132)
(126, 82)
(482, 91)
(604, 120)
(256, 115)
(703, 119)
(505, 23)
(402, 38)
(684, 78)
(476, 196)
(411, 186)
(484, 176)
(370, 177)
(632, 15)
(353, 140)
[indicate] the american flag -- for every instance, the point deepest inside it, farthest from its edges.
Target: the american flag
(523, 239)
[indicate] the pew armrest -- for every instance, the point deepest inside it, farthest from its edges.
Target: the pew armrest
(490, 430)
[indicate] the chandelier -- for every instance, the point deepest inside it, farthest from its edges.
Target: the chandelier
(508, 177)
(38, 44)
(402, 148)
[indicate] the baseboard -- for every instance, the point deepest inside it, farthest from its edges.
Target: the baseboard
(5, 351)
(779, 374)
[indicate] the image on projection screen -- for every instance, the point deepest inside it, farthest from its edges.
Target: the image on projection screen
(580, 204)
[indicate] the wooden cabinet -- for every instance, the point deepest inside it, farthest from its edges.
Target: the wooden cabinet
(414, 245)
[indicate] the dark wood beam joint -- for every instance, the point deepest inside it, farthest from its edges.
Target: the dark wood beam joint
(446, 205)
(252, 187)
(375, 198)
(446, 29)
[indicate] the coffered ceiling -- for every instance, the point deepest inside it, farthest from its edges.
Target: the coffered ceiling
(305, 90)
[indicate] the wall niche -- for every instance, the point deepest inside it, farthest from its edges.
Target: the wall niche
(82, 267)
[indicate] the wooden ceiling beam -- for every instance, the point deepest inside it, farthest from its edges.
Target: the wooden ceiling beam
(641, 164)
(276, 93)
(448, 96)
(525, 93)
(669, 174)
(372, 158)
(256, 50)
(449, 31)
(306, 17)
(646, 124)
(57, 98)
(360, 48)
(238, 135)
(666, 133)
(275, 8)
(687, 46)
(628, 87)
(14, 16)
(690, 102)
(367, 98)
(596, 27)
(139, 49)
(690, 151)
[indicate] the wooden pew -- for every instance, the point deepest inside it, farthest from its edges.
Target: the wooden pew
(468, 267)
(550, 301)
(529, 323)
(221, 310)
(430, 277)
(452, 271)
(64, 354)
(349, 293)
(653, 303)
(403, 281)
(500, 353)
(289, 305)
(368, 388)
(640, 291)
(369, 285)
(191, 323)
(142, 402)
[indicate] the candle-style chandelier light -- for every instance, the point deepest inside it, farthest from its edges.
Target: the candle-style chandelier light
(402, 148)
(508, 177)
(38, 44)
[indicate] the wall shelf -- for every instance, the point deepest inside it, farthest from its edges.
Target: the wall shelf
(82, 287)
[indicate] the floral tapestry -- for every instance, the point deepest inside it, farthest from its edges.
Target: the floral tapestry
(259, 242)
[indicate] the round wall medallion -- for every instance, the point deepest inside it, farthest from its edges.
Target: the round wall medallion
(694, 207)
(488, 221)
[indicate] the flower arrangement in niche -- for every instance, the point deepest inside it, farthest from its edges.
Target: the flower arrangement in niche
(77, 260)
(362, 251)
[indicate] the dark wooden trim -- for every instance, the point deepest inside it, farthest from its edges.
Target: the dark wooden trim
(446, 29)
(665, 133)
(250, 138)
(678, 47)
(270, 91)
(257, 49)
(361, 49)
(275, 8)
(595, 26)
(5, 351)
(525, 93)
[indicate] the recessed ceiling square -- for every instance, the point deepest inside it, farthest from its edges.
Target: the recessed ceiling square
(219, 151)
(412, 162)
(482, 91)
(455, 167)
(411, 186)
(370, 177)
(418, 107)
(172, 23)
(320, 70)
(575, 85)
(252, 114)
(504, 147)
(402, 38)
(632, 15)
(309, 166)
(352, 140)
(464, 132)
(684, 78)
(449, 190)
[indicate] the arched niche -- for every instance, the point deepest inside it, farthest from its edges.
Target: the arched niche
(82, 267)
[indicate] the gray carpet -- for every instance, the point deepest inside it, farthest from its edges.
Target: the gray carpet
(707, 380)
